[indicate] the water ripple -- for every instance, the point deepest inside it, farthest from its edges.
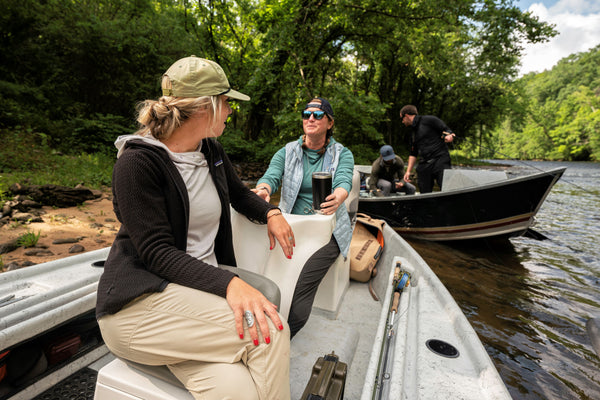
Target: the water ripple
(529, 300)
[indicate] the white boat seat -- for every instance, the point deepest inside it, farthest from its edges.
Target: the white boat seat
(311, 232)
(126, 380)
(336, 281)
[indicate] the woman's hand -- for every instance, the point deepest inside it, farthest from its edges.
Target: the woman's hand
(263, 191)
(333, 201)
(242, 297)
(278, 229)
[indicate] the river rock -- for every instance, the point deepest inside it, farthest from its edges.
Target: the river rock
(66, 240)
(38, 252)
(8, 246)
(12, 266)
(77, 248)
(26, 217)
(54, 195)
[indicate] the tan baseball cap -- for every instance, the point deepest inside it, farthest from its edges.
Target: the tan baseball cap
(195, 77)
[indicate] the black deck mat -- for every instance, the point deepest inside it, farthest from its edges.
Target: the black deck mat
(79, 386)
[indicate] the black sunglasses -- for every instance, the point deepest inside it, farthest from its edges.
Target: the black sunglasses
(317, 114)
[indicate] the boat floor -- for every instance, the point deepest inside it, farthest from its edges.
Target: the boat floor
(350, 335)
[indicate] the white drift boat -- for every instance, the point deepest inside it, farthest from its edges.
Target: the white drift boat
(426, 349)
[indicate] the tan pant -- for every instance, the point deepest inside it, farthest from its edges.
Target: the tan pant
(194, 334)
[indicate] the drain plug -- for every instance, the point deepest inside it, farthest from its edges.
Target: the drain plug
(442, 348)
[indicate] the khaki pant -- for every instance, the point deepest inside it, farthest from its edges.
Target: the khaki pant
(194, 334)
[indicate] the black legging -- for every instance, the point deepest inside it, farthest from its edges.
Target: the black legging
(308, 282)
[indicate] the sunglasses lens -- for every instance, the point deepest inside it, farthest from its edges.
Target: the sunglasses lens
(316, 114)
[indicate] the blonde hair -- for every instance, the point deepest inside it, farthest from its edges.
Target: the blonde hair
(160, 118)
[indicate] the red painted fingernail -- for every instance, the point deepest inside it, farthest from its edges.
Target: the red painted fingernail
(267, 340)
(271, 248)
(256, 342)
(280, 327)
(290, 257)
(241, 335)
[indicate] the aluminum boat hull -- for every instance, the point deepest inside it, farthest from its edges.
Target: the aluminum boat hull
(504, 208)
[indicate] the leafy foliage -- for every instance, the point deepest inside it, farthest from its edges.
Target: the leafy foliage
(73, 70)
(29, 239)
(27, 157)
(556, 113)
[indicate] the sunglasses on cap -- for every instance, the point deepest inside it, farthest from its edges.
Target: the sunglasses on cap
(317, 114)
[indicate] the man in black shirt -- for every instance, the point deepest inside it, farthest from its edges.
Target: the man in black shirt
(428, 142)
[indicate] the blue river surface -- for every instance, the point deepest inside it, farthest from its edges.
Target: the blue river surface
(529, 299)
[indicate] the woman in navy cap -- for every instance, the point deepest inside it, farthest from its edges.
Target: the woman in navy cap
(291, 169)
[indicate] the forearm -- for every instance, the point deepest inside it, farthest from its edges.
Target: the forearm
(345, 171)
(412, 160)
(273, 175)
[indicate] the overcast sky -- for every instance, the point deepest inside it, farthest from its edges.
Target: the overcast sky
(578, 24)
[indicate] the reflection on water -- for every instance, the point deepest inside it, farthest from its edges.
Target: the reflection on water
(529, 299)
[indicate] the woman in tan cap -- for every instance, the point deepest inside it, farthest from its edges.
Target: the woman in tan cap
(164, 298)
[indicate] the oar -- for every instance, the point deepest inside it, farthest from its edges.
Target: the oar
(593, 329)
(530, 233)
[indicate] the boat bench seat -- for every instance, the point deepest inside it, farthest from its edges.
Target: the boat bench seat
(120, 379)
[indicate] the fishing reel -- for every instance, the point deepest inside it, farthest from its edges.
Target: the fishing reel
(401, 278)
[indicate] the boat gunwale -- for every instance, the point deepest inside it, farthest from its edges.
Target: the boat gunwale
(556, 173)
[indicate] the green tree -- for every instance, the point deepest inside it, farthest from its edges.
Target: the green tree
(75, 69)
(556, 112)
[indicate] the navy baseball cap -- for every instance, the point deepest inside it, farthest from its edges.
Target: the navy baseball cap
(387, 152)
(325, 106)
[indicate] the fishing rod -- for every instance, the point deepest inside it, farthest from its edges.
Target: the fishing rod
(400, 281)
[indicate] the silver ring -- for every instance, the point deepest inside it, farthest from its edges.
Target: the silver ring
(290, 238)
(249, 317)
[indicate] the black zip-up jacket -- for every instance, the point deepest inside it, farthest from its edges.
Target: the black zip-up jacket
(151, 201)
(426, 139)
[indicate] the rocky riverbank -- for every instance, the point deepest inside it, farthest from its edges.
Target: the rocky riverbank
(65, 220)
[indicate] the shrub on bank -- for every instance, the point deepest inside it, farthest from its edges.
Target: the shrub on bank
(25, 156)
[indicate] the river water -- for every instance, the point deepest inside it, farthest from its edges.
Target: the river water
(529, 299)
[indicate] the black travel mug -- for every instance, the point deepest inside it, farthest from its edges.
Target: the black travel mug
(321, 188)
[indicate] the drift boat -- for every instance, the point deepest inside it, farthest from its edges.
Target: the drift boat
(473, 204)
(420, 346)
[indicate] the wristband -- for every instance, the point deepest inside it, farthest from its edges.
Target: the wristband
(274, 214)
(264, 188)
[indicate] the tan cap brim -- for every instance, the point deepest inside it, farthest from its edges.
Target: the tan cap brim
(234, 94)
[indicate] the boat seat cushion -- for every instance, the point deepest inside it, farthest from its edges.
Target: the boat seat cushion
(267, 287)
